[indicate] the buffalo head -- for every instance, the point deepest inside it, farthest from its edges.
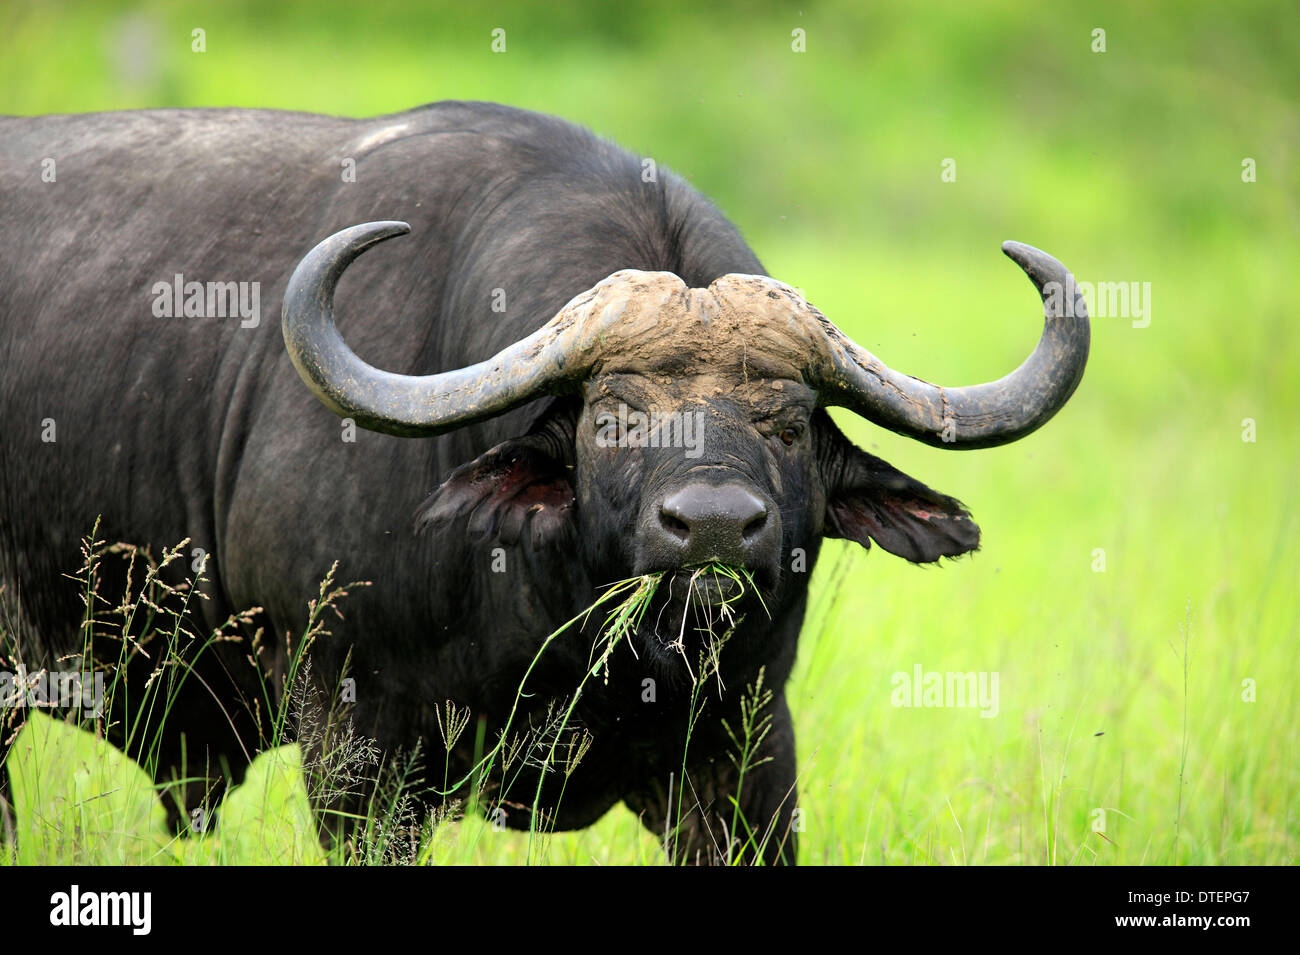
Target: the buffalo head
(691, 423)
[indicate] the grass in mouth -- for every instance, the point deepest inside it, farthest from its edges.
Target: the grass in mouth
(714, 615)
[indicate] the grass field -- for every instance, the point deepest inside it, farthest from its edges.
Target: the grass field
(1136, 588)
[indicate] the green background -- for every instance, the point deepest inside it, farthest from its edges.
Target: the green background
(1125, 164)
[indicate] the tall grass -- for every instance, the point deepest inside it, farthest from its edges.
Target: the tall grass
(375, 807)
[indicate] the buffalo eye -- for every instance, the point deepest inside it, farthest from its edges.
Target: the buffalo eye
(609, 429)
(788, 436)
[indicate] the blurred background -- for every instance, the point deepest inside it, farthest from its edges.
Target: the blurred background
(1136, 589)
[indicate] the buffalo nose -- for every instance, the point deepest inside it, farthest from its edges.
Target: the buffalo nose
(727, 523)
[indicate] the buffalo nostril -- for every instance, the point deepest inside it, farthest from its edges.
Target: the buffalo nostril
(755, 526)
(675, 525)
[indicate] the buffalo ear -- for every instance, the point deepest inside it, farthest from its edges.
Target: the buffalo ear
(516, 491)
(872, 500)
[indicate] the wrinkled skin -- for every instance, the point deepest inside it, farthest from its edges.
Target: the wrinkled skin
(201, 429)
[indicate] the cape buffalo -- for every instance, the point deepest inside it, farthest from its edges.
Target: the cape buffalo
(600, 380)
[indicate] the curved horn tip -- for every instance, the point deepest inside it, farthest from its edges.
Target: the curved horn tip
(322, 267)
(368, 233)
(1036, 263)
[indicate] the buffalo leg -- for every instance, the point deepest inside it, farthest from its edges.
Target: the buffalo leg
(710, 828)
